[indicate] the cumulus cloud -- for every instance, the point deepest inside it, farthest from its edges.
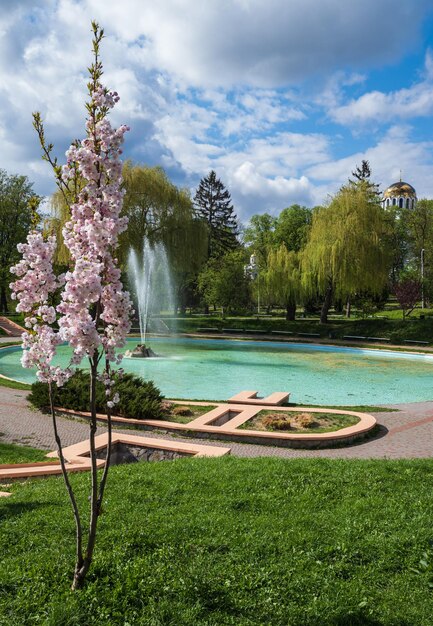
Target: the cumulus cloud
(230, 85)
(395, 153)
(378, 106)
(224, 42)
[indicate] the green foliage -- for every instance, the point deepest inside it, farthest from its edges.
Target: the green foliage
(293, 227)
(153, 205)
(347, 249)
(283, 279)
(139, 399)
(390, 326)
(213, 205)
(18, 205)
(239, 542)
(223, 282)
(259, 236)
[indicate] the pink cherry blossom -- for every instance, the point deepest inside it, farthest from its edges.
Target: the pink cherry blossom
(94, 311)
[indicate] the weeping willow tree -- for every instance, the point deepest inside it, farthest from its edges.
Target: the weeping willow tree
(158, 211)
(152, 204)
(53, 225)
(347, 251)
(185, 238)
(283, 279)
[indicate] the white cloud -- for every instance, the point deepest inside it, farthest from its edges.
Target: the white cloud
(396, 151)
(206, 85)
(377, 106)
(222, 42)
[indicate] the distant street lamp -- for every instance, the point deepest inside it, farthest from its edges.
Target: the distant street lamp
(252, 270)
(422, 278)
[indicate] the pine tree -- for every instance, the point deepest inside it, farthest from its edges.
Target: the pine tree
(362, 177)
(213, 204)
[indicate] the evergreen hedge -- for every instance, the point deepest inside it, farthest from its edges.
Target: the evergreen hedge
(139, 399)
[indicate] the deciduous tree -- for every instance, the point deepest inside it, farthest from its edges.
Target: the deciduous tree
(18, 204)
(347, 249)
(93, 312)
(223, 283)
(283, 279)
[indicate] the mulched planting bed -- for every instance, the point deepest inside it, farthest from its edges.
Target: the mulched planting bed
(299, 422)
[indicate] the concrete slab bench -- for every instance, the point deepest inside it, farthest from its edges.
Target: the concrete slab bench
(233, 330)
(281, 332)
(309, 334)
(416, 341)
(250, 397)
(379, 339)
(354, 337)
(208, 330)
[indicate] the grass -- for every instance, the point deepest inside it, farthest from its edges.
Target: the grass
(323, 422)
(391, 326)
(214, 542)
(12, 453)
(361, 408)
(13, 384)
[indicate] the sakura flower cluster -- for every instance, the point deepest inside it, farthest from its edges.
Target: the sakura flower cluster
(93, 292)
(94, 309)
(34, 289)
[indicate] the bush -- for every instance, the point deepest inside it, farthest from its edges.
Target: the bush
(139, 399)
(274, 421)
(305, 420)
(184, 411)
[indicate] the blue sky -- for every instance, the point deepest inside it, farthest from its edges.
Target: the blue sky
(283, 99)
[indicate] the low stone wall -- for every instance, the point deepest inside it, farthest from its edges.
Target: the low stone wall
(280, 442)
(123, 453)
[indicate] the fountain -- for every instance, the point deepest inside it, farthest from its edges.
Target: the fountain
(150, 278)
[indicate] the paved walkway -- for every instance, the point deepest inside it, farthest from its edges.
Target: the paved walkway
(407, 433)
(11, 329)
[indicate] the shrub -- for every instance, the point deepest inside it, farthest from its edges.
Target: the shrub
(305, 420)
(274, 421)
(184, 411)
(139, 399)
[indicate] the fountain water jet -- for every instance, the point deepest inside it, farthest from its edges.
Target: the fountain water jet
(150, 278)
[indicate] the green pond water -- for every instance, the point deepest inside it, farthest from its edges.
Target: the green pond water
(217, 369)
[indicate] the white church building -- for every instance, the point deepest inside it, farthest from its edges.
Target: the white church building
(401, 195)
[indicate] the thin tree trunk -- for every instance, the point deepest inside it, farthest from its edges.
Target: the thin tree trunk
(348, 306)
(108, 453)
(326, 304)
(78, 527)
(290, 311)
(3, 300)
(94, 509)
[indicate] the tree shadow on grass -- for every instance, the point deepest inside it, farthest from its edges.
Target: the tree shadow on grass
(14, 509)
(358, 618)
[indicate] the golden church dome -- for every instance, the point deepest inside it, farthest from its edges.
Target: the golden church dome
(400, 189)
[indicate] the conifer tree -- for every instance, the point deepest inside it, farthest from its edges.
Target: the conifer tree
(213, 204)
(362, 177)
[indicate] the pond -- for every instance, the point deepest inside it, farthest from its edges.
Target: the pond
(314, 374)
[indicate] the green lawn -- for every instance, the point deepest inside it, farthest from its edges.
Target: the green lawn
(394, 329)
(13, 384)
(11, 453)
(212, 542)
